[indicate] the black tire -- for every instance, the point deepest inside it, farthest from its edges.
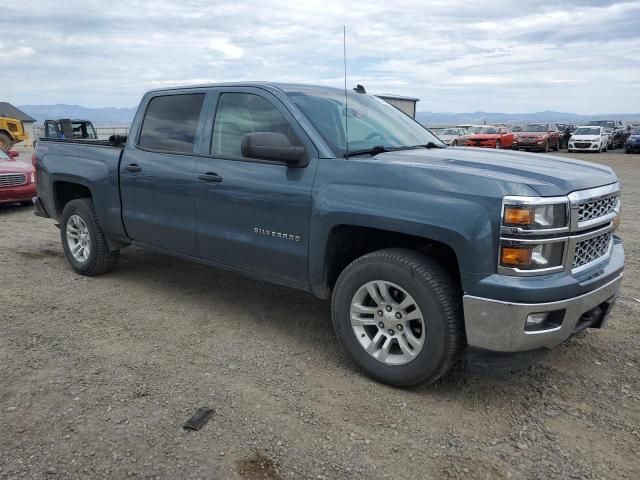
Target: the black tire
(497, 144)
(100, 259)
(557, 147)
(454, 143)
(6, 142)
(434, 291)
(27, 203)
(546, 147)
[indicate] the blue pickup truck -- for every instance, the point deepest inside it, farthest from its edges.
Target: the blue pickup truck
(430, 255)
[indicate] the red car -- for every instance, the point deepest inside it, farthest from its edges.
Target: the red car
(17, 180)
(491, 137)
(537, 136)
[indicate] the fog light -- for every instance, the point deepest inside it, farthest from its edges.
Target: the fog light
(544, 321)
(536, 319)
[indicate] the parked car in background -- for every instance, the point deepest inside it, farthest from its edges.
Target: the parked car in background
(11, 132)
(633, 141)
(67, 128)
(616, 129)
(17, 180)
(537, 136)
(566, 130)
(491, 137)
(451, 136)
(589, 139)
(470, 129)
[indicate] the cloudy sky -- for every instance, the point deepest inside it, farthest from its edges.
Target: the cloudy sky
(511, 56)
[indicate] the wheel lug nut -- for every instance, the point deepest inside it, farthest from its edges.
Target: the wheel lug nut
(388, 308)
(391, 332)
(379, 313)
(398, 315)
(381, 325)
(399, 327)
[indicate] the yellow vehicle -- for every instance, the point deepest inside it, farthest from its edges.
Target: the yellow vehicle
(11, 132)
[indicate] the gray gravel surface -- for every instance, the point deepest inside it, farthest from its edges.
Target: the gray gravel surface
(97, 376)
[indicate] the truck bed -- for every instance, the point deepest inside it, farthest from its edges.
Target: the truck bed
(93, 164)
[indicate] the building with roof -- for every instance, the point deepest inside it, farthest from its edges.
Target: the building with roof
(9, 111)
(406, 104)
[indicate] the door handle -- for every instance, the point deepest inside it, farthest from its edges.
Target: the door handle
(133, 167)
(210, 177)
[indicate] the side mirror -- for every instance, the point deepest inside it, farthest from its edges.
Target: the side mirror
(13, 154)
(272, 146)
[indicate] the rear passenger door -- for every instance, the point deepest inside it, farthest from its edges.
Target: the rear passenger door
(253, 214)
(157, 173)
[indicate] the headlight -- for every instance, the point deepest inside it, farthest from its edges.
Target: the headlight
(521, 216)
(515, 138)
(531, 256)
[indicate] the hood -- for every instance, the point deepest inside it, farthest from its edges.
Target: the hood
(11, 166)
(590, 136)
(546, 174)
(530, 134)
(484, 136)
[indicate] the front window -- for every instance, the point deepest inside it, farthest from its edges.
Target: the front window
(369, 121)
(450, 131)
(242, 113)
(3, 155)
(535, 128)
(587, 131)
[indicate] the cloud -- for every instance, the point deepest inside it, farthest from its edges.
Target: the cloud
(530, 55)
(228, 49)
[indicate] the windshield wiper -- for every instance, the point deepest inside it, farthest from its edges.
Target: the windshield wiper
(372, 151)
(413, 147)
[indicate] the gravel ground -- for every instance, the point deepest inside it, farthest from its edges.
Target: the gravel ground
(97, 376)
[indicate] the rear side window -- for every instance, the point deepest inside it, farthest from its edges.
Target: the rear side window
(170, 123)
(241, 113)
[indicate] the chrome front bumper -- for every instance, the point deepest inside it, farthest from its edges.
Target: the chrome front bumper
(500, 326)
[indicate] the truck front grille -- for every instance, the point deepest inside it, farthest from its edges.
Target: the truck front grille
(592, 249)
(12, 180)
(591, 210)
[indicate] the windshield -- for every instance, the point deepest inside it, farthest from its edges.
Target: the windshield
(602, 123)
(516, 128)
(491, 130)
(535, 127)
(3, 155)
(370, 121)
(450, 131)
(587, 131)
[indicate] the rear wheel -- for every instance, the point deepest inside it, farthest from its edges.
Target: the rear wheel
(397, 314)
(27, 203)
(6, 142)
(83, 240)
(454, 143)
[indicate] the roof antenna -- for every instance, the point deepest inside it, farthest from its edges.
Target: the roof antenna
(346, 101)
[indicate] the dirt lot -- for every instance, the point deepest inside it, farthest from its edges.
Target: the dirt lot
(97, 376)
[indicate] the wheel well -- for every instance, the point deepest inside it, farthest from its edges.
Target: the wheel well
(347, 242)
(66, 191)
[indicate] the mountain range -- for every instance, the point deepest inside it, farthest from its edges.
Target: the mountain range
(112, 115)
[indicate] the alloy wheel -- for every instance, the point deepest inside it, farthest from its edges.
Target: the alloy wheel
(78, 238)
(387, 322)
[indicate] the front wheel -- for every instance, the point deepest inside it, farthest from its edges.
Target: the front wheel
(398, 315)
(454, 143)
(498, 144)
(546, 147)
(83, 240)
